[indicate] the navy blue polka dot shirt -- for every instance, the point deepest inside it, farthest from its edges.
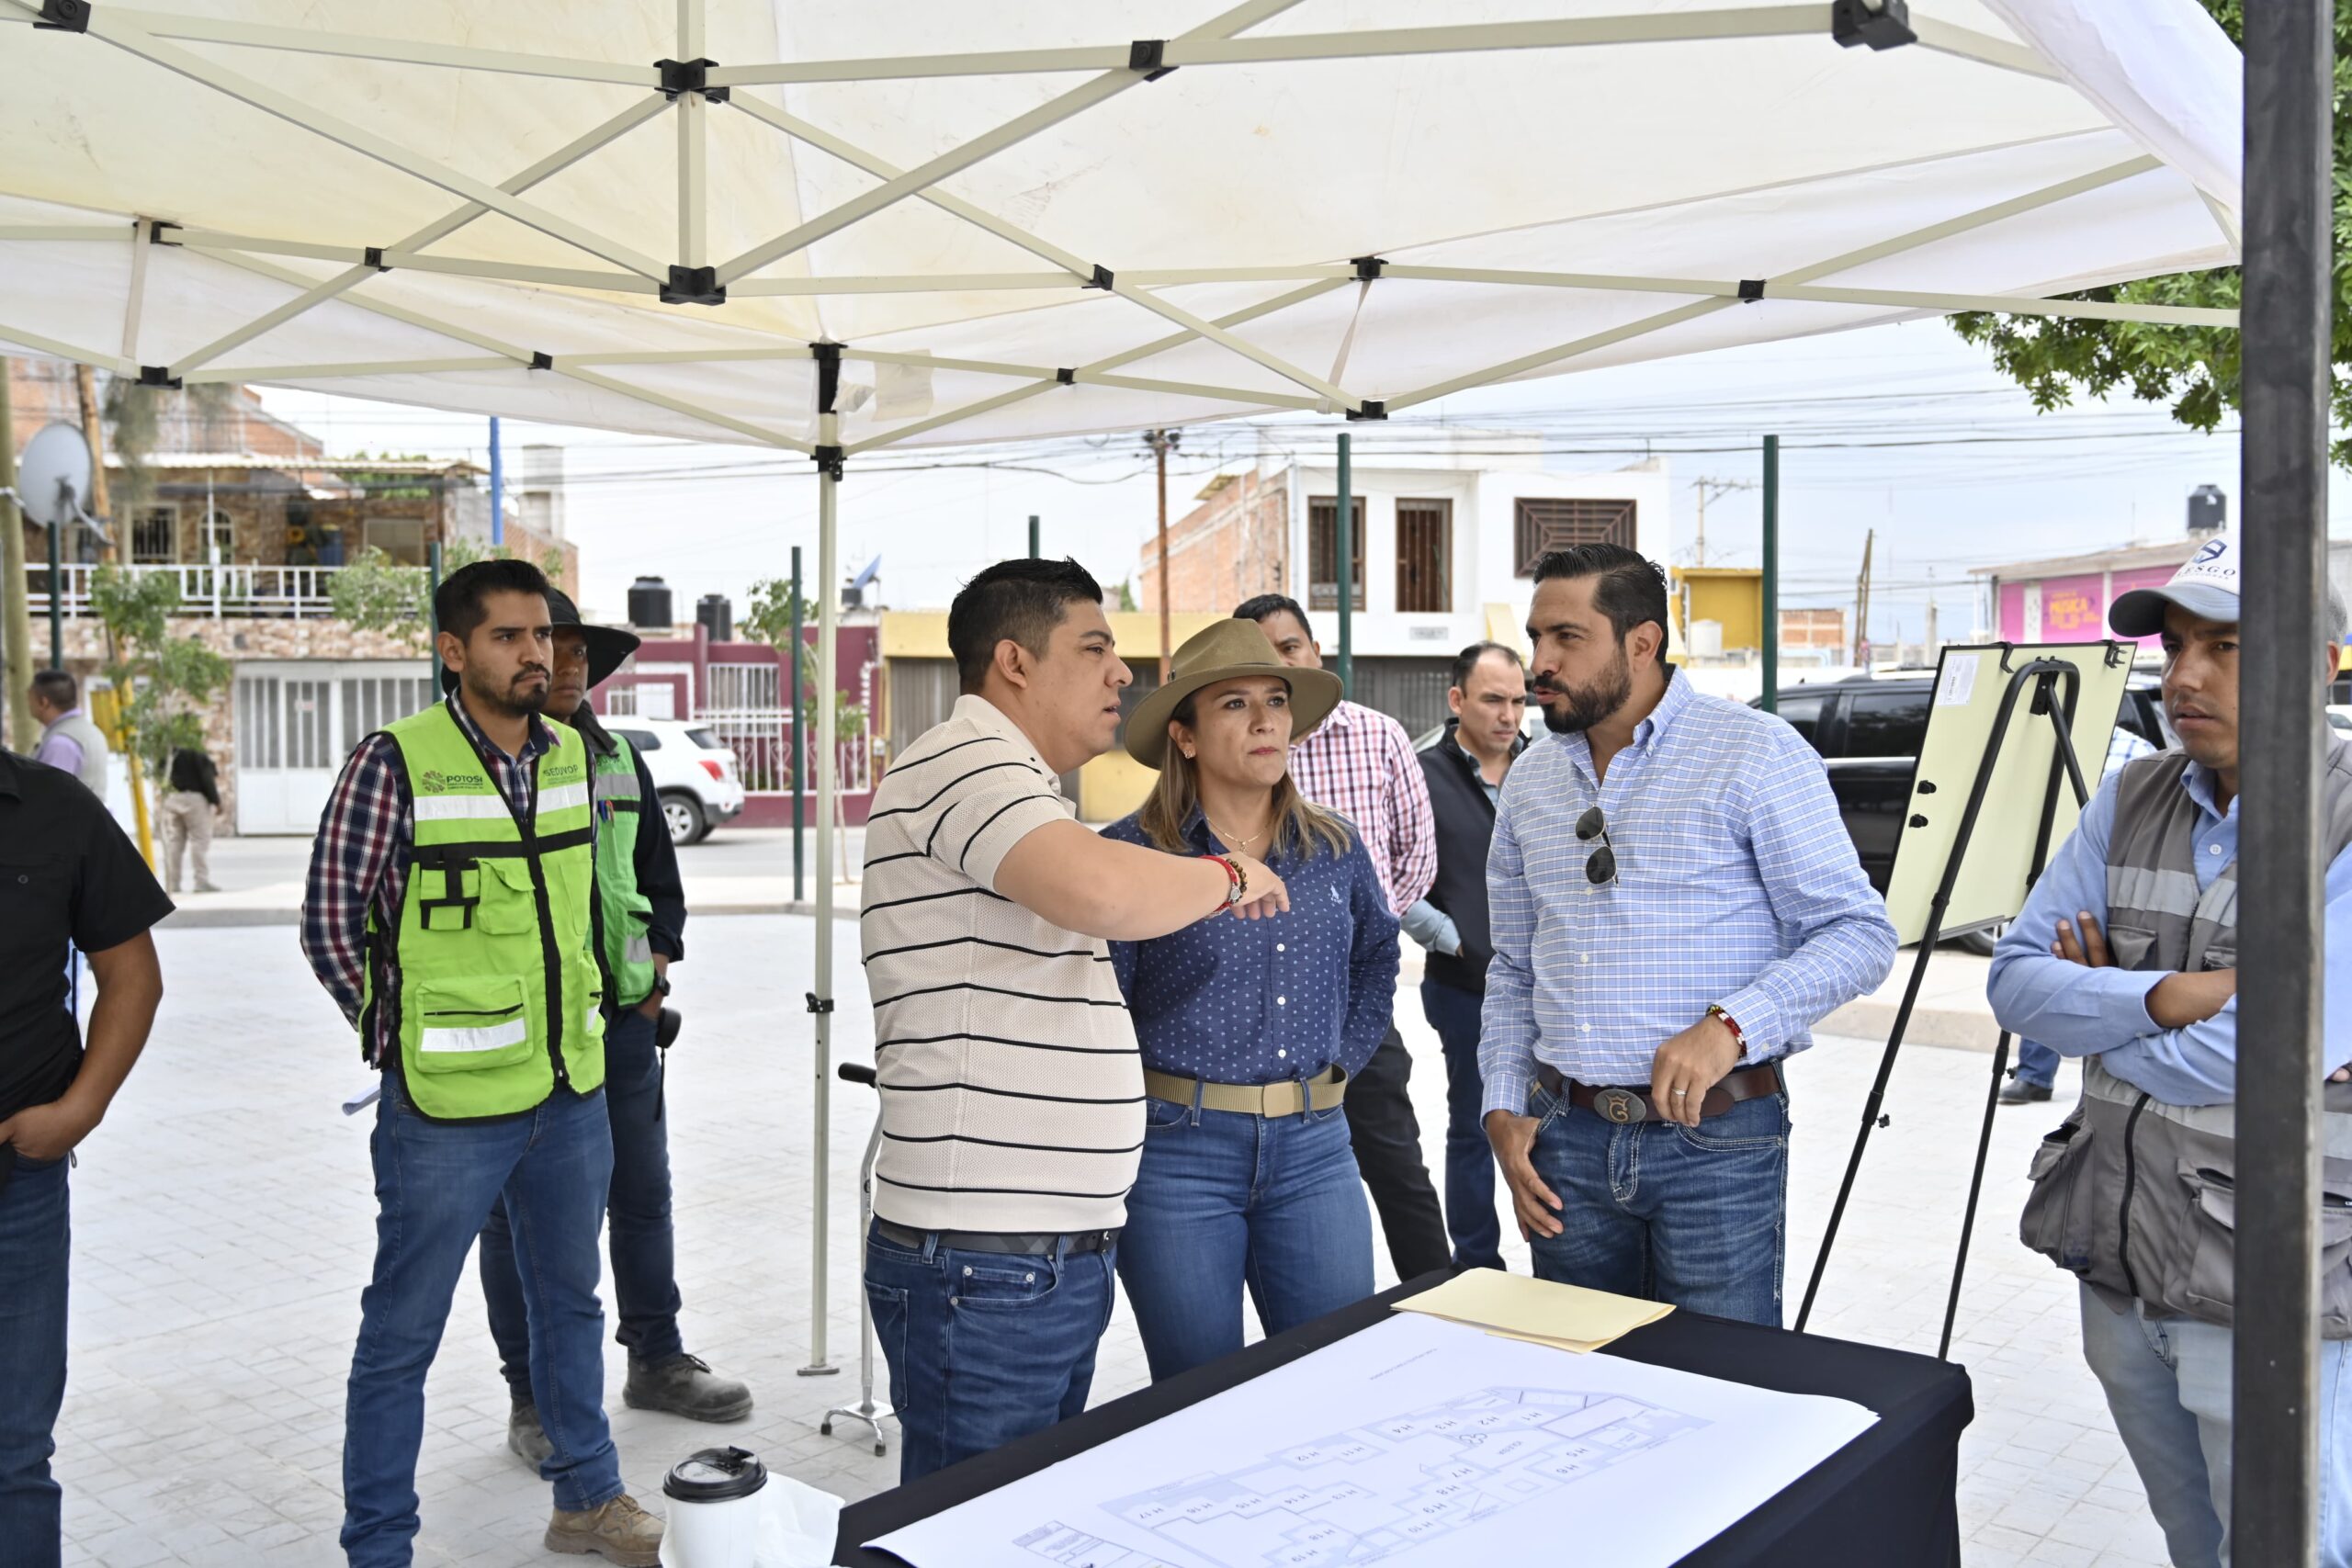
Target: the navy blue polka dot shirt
(1260, 1002)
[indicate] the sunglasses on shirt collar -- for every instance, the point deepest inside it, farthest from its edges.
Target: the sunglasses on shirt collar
(1601, 868)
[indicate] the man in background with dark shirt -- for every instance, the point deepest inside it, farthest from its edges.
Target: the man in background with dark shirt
(640, 932)
(186, 816)
(66, 875)
(1466, 768)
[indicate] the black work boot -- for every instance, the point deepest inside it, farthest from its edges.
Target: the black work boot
(685, 1385)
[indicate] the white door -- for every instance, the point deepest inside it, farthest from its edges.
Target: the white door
(298, 721)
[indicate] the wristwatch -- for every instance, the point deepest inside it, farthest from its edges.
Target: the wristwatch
(660, 984)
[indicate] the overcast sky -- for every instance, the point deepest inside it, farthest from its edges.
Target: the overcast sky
(1902, 429)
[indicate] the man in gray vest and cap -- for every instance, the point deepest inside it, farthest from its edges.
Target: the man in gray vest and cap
(2126, 956)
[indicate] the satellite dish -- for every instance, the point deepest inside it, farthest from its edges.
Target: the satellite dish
(53, 475)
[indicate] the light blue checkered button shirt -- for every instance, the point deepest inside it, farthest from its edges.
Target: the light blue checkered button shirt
(1735, 884)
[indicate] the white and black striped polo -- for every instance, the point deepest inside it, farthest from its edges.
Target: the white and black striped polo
(1012, 1087)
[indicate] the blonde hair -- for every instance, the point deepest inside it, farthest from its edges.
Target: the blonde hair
(1300, 824)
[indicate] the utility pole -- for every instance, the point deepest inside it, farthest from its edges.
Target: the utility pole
(15, 619)
(1705, 488)
(497, 488)
(1160, 441)
(86, 382)
(1862, 605)
(1033, 522)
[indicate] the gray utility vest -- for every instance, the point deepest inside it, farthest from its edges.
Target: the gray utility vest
(80, 731)
(2139, 1197)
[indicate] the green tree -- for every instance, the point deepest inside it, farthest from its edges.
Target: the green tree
(162, 683)
(1123, 596)
(373, 592)
(768, 618)
(2193, 368)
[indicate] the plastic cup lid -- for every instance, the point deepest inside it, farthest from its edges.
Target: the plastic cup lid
(714, 1475)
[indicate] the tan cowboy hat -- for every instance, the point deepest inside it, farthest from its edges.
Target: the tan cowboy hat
(1227, 651)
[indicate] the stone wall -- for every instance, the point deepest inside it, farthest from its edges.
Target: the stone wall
(238, 640)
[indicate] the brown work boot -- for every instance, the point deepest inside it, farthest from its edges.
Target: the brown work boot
(619, 1532)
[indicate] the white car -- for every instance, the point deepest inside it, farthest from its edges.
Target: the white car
(693, 770)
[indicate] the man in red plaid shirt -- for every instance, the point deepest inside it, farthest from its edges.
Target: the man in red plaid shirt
(1361, 764)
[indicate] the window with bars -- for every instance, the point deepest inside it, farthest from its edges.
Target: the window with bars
(1323, 552)
(1544, 524)
(155, 535)
(1425, 557)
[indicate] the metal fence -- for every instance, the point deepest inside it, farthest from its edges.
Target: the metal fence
(747, 711)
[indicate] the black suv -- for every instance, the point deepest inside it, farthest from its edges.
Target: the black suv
(1868, 731)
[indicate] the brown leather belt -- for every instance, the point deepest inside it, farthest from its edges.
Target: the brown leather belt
(1630, 1105)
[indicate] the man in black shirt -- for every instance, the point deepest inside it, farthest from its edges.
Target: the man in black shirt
(66, 875)
(186, 816)
(1465, 768)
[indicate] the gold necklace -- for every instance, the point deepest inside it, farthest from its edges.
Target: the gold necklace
(1230, 841)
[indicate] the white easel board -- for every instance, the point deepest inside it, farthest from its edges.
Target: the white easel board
(1970, 683)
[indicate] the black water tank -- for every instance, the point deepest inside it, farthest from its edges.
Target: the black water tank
(717, 616)
(2208, 510)
(649, 604)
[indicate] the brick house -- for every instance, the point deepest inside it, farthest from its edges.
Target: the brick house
(252, 519)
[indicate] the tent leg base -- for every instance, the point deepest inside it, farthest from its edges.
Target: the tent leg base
(817, 1369)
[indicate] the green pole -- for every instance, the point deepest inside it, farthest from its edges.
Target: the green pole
(56, 601)
(799, 751)
(432, 620)
(1033, 551)
(1771, 574)
(1346, 542)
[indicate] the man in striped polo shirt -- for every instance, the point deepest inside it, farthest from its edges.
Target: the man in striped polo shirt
(1012, 1089)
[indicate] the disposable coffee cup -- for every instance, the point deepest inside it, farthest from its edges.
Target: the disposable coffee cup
(714, 1509)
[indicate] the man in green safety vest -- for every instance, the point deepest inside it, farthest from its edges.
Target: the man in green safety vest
(450, 912)
(639, 919)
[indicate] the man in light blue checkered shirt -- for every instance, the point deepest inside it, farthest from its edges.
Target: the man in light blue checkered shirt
(1674, 903)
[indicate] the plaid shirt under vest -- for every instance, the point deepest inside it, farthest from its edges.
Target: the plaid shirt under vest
(356, 863)
(1360, 763)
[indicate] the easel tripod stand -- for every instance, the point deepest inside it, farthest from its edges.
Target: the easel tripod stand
(2057, 688)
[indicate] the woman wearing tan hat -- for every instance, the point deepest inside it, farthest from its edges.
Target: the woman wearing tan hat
(1250, 1030)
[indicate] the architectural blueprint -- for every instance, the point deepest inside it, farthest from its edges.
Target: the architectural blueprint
(1420, 1441)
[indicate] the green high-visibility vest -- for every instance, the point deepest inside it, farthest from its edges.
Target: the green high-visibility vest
(623, 912)
(499, 996)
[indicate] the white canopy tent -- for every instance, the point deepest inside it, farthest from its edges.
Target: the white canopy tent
(1057, 219)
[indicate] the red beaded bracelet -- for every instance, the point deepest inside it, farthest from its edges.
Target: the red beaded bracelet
(1240, 883)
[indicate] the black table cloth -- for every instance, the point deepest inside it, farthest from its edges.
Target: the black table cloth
(1886, 1497)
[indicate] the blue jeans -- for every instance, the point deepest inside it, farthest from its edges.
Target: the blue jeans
(434, 1184)
(2036, 1063)
(983, 1347)
(1225, 1200)
(1470, 1217)
(36, 1233)
(2167, 1384)
(642, 1243)
(1695, 1216)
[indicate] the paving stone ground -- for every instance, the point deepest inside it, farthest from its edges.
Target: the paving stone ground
(223, 1224)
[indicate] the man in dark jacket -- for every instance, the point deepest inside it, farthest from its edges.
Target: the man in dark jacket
(188, 805)
(639, 922)
(1465, 768)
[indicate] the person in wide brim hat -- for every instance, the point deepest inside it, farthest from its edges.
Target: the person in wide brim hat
(608, 647)
(1227, 651)
(1247, 1187)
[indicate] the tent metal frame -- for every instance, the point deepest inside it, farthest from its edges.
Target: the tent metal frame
(694, 86)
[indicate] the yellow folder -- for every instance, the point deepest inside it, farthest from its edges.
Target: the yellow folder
(1567, 1317)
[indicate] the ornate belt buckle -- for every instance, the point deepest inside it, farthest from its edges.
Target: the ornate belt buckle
(1620, 1106)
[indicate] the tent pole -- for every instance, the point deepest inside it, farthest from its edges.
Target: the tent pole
(820, 999)
(1771, 631)
(1344, 549)
(799, 732)
(16, 613)
(2289, 68)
